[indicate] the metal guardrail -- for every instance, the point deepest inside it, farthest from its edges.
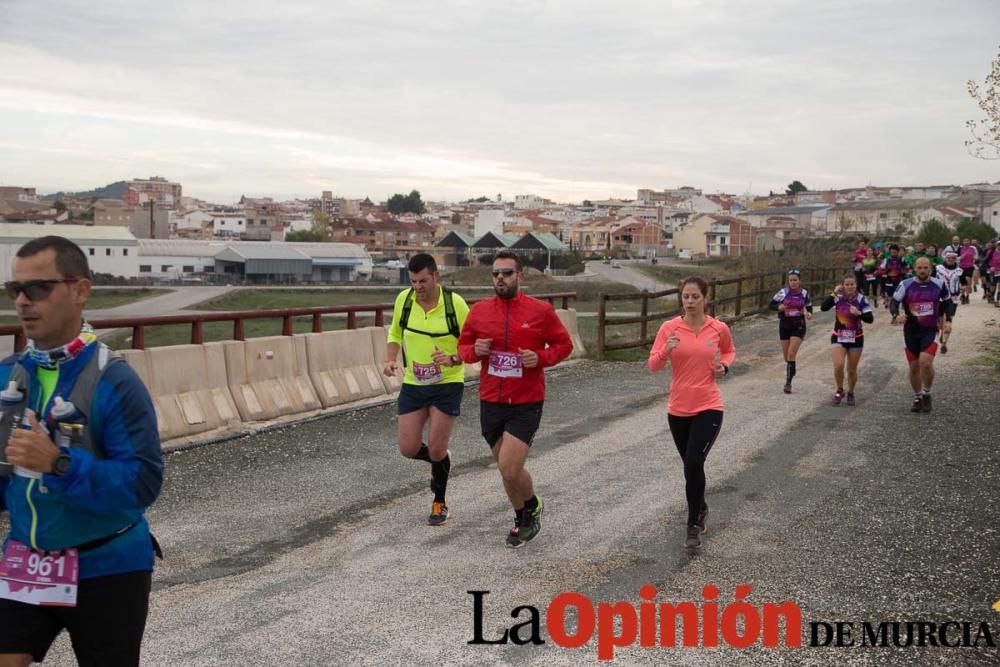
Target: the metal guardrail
(725, 294)
(238, 317)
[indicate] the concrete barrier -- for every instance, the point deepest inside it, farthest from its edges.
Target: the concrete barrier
(568, 318)
(378, 342)
(342, 366)
(269, 377)
(188, 386)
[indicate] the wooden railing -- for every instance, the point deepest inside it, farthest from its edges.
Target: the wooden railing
(197, 321)
(728, 299)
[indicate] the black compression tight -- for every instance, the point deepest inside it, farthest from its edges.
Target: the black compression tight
(694, 437)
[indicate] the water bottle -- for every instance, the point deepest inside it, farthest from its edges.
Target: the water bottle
(10, 398)
(62, 413)
(18, 470)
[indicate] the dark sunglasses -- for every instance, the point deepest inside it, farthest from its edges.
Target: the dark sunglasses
(506, 273)
(35, 290)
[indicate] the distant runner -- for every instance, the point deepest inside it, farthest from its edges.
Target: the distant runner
(848, 338)
(794, 307)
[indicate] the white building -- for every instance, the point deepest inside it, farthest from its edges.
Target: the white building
(229, 225)
(110, 250)
(529, 201)
(179, 259)
(489, 220)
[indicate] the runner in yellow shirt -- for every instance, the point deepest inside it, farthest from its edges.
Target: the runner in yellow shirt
(426, 322)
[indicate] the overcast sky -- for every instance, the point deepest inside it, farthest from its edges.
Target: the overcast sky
(461, 98)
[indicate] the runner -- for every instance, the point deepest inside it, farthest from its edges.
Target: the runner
(954, 246)
(967, 256)
(859, 257)
(893, 271)
(932, 254)
(794, 307)
(869, 265)
(951, 274)
(994, 271)
(513, 337)
(985, 259)
(700, 350)
(852, 308)
(426, 321)
(80, 430)
(918, 304)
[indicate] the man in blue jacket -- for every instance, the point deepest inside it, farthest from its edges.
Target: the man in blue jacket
(81, 461)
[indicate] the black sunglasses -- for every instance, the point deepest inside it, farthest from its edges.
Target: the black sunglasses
(506, 273)
(35, 290)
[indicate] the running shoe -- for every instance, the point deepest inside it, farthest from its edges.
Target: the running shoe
(702, 519)
(918, 404)
(850, 399)
(530, 525)
(838, 396)
(944, 348)
(439, 515)
(788, 387)
(693, 540)
(514, 536)
(925, 402)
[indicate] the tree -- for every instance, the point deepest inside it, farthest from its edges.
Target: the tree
(411, 203)
(975, 230)
(795, 187)
(320, 225)
(478, 200)
(934, 232)
(456, 218)
(59, 205)
(306, 236)
(985, 141)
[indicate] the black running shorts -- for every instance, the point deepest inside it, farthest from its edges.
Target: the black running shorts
(791, 327)
(105, 626)
(446, 397)
(519, 420)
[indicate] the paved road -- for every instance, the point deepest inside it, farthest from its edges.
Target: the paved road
(308, 546)
(628, 274)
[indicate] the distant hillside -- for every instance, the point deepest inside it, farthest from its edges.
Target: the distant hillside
(112, 191)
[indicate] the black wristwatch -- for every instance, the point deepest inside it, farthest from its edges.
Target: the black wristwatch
(725, 369)
(60, 464)
(455, 360)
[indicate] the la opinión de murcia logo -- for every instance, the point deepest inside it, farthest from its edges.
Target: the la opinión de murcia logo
(572, 620)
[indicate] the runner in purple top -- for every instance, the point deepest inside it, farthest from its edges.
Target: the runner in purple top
(919, 304)
(893, 270)
(794, 306)
(852, 308)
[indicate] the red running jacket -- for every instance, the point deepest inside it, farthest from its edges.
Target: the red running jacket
(521, 323)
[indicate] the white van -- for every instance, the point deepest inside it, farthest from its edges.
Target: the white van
(684, 253)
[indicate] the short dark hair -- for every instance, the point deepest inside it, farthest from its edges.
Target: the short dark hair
(70, 260)
(422, 261)
(894, 247)
(697, 280)
(508, 254)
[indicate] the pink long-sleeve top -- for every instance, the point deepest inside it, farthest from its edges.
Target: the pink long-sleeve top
(692, 383)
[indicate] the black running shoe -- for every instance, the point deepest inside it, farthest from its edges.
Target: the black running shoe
(703, 519)
(918, 404)
(788, 387)
(925, 402)
(530, 526)
(944, 348)
(693, 540)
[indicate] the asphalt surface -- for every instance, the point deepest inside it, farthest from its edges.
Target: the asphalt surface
(309, 545)
(626, 273)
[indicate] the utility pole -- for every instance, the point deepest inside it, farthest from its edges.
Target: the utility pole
(152, 221)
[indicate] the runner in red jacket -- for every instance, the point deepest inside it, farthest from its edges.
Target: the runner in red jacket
(513, 337)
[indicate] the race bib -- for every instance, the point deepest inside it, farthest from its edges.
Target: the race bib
(793, 312)
(506, 364)
(37, 578)
(846, 335)
(869, 277)
(923, 309)
(426, 373)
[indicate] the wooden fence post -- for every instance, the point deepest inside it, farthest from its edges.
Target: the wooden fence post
(601, 316)
(644, 313)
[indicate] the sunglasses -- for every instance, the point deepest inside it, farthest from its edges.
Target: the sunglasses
(35, 290)
(506, 273)
(794, 272)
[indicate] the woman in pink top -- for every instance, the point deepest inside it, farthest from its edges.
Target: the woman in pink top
(700, 350)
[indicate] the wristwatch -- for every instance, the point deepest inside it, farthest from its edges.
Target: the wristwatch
(455, 360)
(725, 369)
(60, 464)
